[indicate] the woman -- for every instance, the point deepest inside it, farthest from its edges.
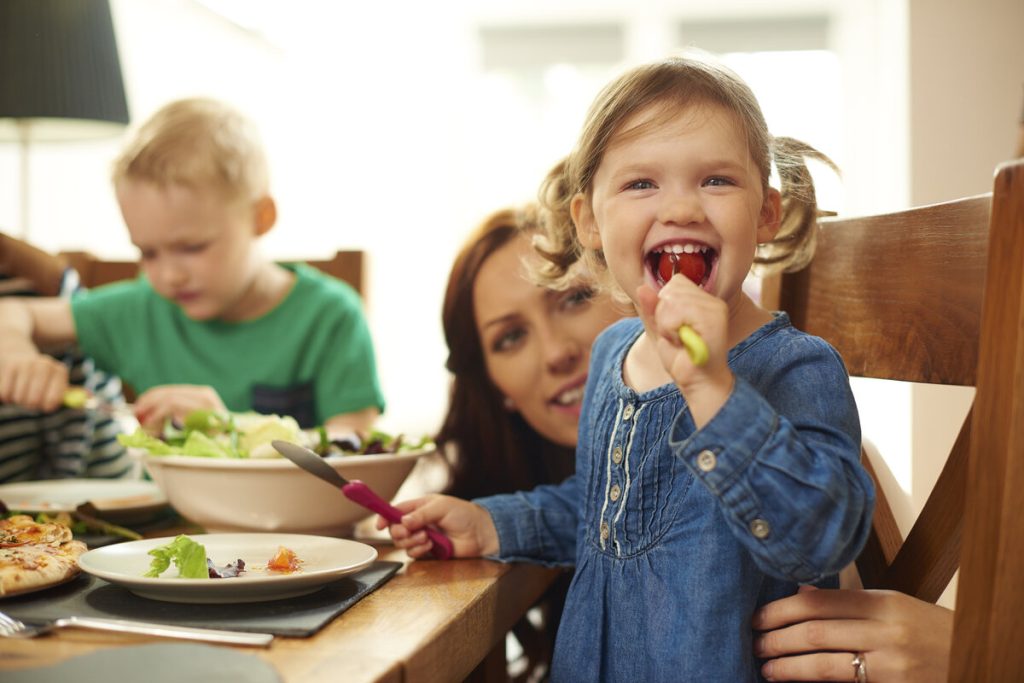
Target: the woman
(518, 354)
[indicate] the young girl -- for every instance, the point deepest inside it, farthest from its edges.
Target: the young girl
(702, 490)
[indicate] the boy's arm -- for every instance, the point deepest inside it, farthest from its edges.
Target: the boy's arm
(345, 423)
(27, 377)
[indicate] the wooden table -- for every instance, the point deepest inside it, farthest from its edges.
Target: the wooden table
(432, 622)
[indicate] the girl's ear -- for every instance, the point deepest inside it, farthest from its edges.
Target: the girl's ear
(771, 216)
(583, 218)
(265, 214)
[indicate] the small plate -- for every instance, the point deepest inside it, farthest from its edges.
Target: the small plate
(116, 499)
(323, 560)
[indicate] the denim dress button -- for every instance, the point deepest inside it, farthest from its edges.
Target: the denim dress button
(706, 461)
(627, 412)
(605, 531)
(760, 528)
(617, 455)
(615, 492)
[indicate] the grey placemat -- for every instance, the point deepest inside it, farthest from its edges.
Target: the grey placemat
(88, 596)
(155, 663)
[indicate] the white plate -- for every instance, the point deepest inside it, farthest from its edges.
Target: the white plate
(114, 498)
(323, 560)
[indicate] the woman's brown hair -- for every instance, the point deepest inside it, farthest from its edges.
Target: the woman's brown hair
(489, 449)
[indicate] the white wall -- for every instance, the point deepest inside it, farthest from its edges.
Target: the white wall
(368, 113)
(370, 110)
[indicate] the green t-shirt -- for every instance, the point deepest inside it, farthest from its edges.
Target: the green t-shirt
(311, 357)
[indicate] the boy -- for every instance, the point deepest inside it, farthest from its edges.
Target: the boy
(213, 324)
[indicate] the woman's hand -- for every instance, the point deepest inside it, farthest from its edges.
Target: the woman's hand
(468, 526)
(815, 634)
(155, 406)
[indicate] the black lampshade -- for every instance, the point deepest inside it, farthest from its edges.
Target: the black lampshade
(59, 68)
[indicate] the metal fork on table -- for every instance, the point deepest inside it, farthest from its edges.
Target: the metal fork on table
(13, 628)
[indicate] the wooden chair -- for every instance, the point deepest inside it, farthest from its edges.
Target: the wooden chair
(345, 265)
(902, 296)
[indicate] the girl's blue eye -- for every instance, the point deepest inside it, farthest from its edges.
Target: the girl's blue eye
(640, 185)
(718, 181)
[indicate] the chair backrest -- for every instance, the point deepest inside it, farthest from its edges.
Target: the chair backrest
(345, 265)
(936, 295)
(990, 592)
(900, 296)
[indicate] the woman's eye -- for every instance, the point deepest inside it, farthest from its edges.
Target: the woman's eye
(194, 248)
(576, 298)
(508, 340)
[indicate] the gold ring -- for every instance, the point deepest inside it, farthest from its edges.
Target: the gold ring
(860, 668)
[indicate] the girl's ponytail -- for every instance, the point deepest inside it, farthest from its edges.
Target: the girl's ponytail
(793, 246)
(556, 240)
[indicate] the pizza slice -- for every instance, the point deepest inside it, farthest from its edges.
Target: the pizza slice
(35, 555)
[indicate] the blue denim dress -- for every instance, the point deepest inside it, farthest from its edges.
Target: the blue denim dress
(678, 535)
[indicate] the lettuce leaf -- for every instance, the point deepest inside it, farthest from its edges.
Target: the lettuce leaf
(201, 445)
(140, 439)
(188, 556)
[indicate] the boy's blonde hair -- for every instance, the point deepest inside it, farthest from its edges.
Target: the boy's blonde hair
(199, 143)
(671, 85)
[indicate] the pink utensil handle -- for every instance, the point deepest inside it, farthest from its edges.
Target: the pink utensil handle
(361, 494)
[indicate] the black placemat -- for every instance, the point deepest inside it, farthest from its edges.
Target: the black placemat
(88, 596)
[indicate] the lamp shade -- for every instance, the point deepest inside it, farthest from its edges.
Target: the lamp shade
(59, 70)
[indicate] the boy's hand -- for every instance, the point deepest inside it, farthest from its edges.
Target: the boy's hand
(32, 380)
(155, 406)
(468, 525)
(681, 302)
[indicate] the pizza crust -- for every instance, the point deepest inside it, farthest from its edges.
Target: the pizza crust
(36, 555)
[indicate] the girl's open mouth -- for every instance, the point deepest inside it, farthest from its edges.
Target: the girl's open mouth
(691, 259)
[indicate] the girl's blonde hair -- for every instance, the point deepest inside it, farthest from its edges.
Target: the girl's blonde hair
(200, 143)
(673, 84)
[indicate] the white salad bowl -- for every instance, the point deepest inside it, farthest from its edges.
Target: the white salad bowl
(272, 494)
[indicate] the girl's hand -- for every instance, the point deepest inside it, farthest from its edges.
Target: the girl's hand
(814, 635)
(680, 301)
(33, 380)
(158, 404)
(468, 525)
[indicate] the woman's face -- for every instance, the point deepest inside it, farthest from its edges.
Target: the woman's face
(536, 342)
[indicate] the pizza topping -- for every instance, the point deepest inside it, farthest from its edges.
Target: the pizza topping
(21, 529)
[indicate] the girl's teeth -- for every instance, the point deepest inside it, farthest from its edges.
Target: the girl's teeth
(688, 248)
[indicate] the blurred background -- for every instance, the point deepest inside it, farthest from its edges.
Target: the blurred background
(396, 127)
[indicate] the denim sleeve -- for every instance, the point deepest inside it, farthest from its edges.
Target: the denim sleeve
(786, 470)
(537, 526)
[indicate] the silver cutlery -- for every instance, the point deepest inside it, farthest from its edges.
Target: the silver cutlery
(13, 628)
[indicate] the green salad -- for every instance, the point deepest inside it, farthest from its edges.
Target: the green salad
(210, 434)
